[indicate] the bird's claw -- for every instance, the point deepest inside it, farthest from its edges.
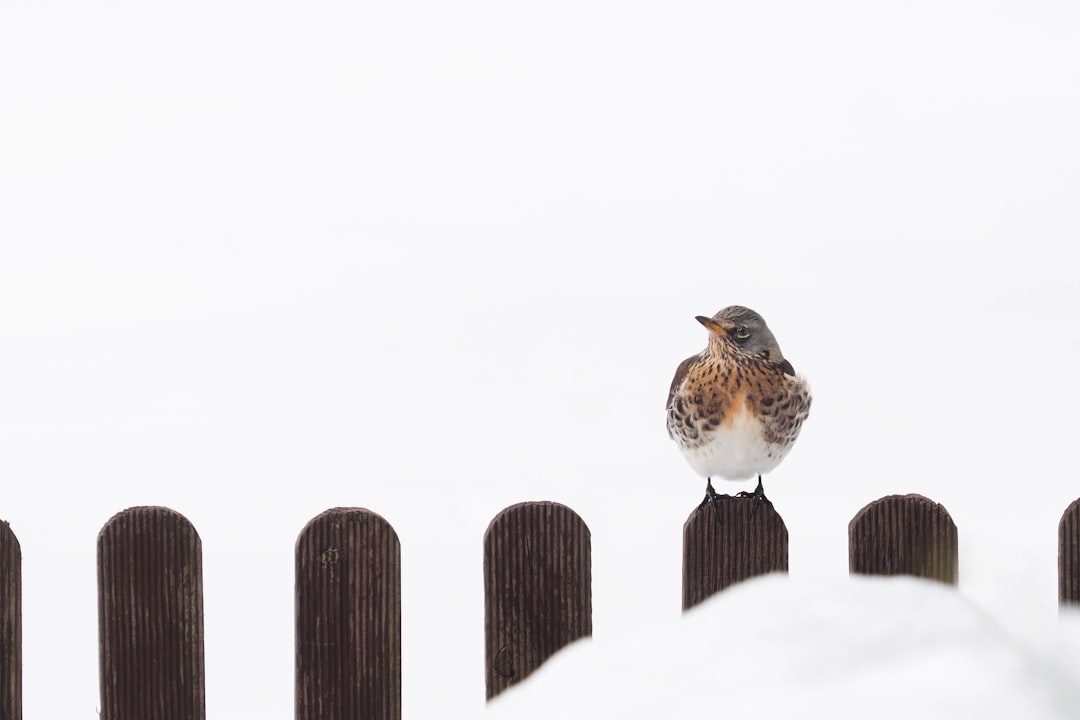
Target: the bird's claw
(711, 498)
(758, 495)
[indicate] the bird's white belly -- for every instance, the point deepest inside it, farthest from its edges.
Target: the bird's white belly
(735, 451)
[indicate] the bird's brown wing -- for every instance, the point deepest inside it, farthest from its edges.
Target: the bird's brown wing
(680, 374)
(781, 403)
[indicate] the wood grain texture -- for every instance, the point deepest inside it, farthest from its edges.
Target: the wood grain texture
(749, 539)
(1069, 555)
(10, 625)
(904, 535)
(150, 608)
(348, 618)
(537, 588)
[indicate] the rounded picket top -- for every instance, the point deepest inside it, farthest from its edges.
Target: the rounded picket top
(537, 588)
(150, 612)
(8, 541)
(10, 624)
(1069, 555)
(148, 521)
(348, 617)
(904, 535)
(731, 540)
(345, 522)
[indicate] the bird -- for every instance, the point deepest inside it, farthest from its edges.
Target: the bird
(736, 408)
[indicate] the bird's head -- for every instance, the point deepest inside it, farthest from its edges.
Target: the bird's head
(743, 329)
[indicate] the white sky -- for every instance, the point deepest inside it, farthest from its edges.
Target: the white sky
(262, 259)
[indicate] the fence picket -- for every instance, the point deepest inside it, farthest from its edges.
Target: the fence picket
(537, 588)
(150, 612)
(348, 617)
(1069, 555)
(10, 625)
(904, 535)
(747, 540)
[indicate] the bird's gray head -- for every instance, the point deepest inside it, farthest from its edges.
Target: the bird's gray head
(745, 329)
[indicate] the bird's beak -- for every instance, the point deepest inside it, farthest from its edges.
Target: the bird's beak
(711, 324)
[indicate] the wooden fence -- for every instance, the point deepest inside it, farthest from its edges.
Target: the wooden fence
(537, 595)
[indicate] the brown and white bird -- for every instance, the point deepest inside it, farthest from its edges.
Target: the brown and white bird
(736, 408)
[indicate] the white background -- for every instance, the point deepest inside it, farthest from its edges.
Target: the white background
(432, 259)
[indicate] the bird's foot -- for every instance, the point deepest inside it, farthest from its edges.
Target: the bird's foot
(758, 496)
(711, 498)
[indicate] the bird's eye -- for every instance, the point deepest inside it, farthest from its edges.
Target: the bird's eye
(742, 332)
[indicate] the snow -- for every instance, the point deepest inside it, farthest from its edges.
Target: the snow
(258, 260)
(781, 647)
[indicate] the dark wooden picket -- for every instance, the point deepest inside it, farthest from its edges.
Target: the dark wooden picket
(904, 535)
(150, 612)
(537, 588)
(10, 624)
(1069, 555)
(537, 595)
(733, 539)
(348, 617)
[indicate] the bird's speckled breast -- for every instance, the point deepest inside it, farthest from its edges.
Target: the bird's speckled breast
(735, 420)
